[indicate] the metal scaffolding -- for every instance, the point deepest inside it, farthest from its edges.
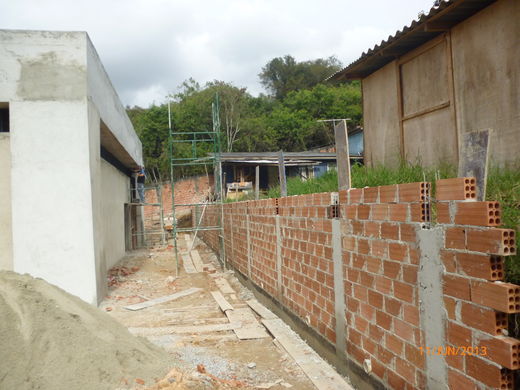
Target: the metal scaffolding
(140, 235)
(192, 150)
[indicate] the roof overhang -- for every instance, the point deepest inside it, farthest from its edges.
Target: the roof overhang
(439, 20)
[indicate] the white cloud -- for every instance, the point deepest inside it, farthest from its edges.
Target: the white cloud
(149, 47)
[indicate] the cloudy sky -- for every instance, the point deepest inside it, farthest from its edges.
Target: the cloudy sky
(149, 47)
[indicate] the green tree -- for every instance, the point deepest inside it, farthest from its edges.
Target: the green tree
(284, 74)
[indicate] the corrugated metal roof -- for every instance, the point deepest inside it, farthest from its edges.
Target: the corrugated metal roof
(438, 20)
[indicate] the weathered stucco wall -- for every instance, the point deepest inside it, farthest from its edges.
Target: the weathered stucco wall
(6, 237)
(469, 80)
(381, 116)
(486, 63)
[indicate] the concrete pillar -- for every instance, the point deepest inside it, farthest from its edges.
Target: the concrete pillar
(339, 289)
(279, 287)
(431, 304)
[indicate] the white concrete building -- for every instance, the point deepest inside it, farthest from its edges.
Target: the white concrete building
(67, 149)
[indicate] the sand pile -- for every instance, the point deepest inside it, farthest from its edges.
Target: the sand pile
(50, 339)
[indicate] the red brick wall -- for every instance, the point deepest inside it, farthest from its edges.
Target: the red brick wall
(381, 257)
(188, 190)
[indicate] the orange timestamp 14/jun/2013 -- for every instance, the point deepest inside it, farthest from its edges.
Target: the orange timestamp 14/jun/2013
(446, 350)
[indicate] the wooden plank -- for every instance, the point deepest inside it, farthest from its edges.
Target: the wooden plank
(319, 372)
(166, 298)
(188, 264)
(473, 159)
(163, 330)
(260, 309)
(224, 286)
(224, 305)
(251, 328)
(189, 308)
(342, 155)
(197, 261)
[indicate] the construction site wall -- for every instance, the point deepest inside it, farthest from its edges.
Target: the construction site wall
(6, 233)
(418, 301)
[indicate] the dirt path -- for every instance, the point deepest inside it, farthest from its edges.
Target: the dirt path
(256, 363)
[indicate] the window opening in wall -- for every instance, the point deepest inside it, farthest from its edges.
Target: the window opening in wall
(4, 118)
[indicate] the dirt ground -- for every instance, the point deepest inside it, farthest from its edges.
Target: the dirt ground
(257, 363)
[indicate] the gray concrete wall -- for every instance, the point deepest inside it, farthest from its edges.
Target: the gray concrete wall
(123, 142)
(486, 64)
(381, 117)
(6, 237)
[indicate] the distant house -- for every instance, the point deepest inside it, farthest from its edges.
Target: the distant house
(239, 168)
(455, 70)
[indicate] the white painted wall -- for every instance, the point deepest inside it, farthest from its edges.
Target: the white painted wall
(67, 203)
(51, 195)
(6, 238)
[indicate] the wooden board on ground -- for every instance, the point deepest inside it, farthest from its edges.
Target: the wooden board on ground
(188, 264)
(190, 308)
(251, 328)
(319, 372)
(224, 286)
(261, 310)
(197, 261)
(166, 298)
(224, 305)
(164, 330)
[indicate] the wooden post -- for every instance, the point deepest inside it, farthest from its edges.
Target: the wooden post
(342, 155)
(257, 182)
(281, 174)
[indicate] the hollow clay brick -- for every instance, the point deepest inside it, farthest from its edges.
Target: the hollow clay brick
(398, 212)
(504, 297)
(493, 241)
(456, 286)
(489, 374)
(420, 212)
(355, 195)
(343, 196)
(478, 213)
(379, 212)
(458, 336)
(388, 194)
(443, 212)
(389, 231)
(503, 350)
(363, 211)
(489, 267)
(414, 192)
(457, 380)
(484, 319)
(455, 238)
(370, 194)
(459, 188)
